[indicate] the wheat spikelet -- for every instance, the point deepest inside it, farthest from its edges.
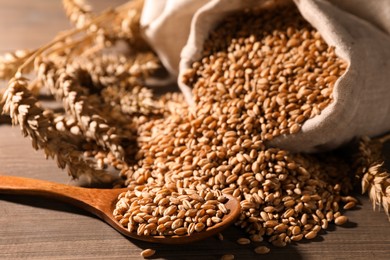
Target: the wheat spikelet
(78, 12)
(10, 62)
(130, 25)
(375, 179)
(117, 69)
(3, 119)
(65, 85)
(123, 22)
(36, 123)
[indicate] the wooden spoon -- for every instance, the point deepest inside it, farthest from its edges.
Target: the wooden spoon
(101, 202)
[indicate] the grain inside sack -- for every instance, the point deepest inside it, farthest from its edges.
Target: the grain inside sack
(360, 104)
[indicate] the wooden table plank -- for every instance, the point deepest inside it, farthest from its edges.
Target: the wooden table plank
(33, 228)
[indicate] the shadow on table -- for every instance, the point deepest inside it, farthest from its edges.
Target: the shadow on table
(213, 248)
(44, 203)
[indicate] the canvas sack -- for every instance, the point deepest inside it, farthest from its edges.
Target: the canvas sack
(359, 30)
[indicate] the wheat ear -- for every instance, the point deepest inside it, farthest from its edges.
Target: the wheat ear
(36, 123)
(375, 179)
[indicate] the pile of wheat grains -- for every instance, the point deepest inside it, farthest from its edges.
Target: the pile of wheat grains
(263, 73)
(163, 212)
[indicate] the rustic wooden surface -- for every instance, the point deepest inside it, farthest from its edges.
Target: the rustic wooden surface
(35, 228)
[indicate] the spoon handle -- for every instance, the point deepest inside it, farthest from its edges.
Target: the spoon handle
(77, 196)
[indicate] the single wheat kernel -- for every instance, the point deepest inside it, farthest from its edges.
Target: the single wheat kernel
(296, 230)
(147, 253)
(279, 243)
(324, 223)
(297, 237)
(329, 216)
(262, 250)
(294, 129)
(349, 205)
(199, 227)
(243, 241)
(180, 231)
(349, 199)
(341, 220)
(316, 228)
(227, 257)
(256, 238)
(311, 235)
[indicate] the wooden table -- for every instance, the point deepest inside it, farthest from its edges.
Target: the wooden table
(35, 228)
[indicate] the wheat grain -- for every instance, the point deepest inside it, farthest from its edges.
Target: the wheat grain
(227, 257)
(243, 241)
(148, 253)
(340, 220)
(262, 250)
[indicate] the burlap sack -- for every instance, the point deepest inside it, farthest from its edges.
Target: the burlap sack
(358, 29)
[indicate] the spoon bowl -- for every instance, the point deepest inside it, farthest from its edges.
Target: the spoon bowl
(101, 202)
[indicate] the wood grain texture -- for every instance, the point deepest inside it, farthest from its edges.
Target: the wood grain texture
(36, 228)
